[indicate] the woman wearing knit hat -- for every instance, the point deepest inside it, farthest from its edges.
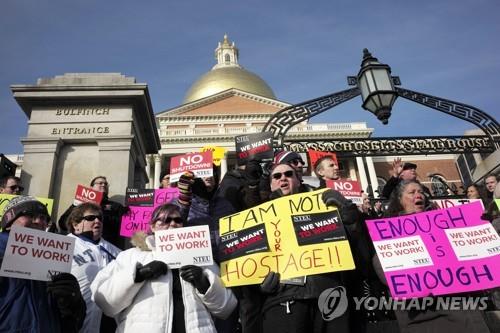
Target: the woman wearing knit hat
(36, 306)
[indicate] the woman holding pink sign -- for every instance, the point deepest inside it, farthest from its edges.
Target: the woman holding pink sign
(144, 295)
(409, 198)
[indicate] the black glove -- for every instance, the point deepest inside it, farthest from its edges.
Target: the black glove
(253, 172)
(271, 283)
(349, 212)
(194, 275)
(150, 271)
(333, 198)
(65, 290)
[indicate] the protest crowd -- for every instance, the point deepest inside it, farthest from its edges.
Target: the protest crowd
(280, 255)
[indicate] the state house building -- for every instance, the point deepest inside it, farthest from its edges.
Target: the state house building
(109, 116)
(230, 100)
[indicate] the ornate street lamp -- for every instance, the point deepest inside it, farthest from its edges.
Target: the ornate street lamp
(376, 86)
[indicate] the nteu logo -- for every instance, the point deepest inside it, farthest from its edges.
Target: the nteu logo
(201, 259)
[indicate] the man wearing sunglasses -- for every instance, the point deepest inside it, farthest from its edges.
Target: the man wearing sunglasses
(11, 185)
(36, 306)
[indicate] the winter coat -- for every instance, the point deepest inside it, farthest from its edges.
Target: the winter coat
(88, 260)
(147, 306)
(25, 305)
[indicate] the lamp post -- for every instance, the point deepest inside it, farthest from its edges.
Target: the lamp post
(376, 86)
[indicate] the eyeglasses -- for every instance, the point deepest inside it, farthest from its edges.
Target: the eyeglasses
(101, 183)
(167, 220)
(288, 174)
(91, 218)
(14, 187)
(297, 162)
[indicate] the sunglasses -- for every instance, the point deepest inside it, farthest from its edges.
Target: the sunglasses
(91, 218)
(297, 162)
(168, 220)
(288, 174)
(14, 187)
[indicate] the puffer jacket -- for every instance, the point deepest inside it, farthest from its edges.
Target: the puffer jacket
(148, 306)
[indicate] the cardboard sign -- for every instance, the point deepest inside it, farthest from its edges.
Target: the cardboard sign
(437, 252)
(198, 163)
(36, 255)
(184, 246)
(315, 155)
(87, 194)
(350, 189)
(139, 197)
(257, 146)
(218, 153)
(138, 216)
(447, 203)
(295, 235)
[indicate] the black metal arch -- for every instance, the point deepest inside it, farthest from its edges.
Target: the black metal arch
(283, 120)
(290, 116)
(481, 119)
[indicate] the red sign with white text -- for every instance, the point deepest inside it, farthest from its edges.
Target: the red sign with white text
(198, 163)
(87, 194)
(350, 189)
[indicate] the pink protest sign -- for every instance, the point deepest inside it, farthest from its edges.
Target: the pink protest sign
(165, 195)
(137, 219)
(437, 252)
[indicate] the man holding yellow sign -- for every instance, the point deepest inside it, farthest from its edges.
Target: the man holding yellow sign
(295, 238)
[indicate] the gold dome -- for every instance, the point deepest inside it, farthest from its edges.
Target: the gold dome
(227, 74)
(224, 78)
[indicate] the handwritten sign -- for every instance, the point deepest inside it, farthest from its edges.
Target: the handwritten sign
(258, 146)
(6, 198)
(437, 252)
(140, 211)
(350, 189)
(198, 163)
(87, 194)
(35, 255)
(447, 203)
(294, 235)
(218, 153)
(184, 246)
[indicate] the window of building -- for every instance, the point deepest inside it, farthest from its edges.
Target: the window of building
(464, 170)
(227, 58)
(471, 161)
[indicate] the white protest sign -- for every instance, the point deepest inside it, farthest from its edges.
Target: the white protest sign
(36, 255)
(475, 242)
(447, 203)
(198, 163)
(184, 246)
(402, 253)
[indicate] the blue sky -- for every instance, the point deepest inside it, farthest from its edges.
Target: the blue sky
(302, 49)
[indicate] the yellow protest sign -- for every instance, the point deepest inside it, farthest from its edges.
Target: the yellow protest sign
(6, 198)
(498, 203)
(217, 153)
(294, 235)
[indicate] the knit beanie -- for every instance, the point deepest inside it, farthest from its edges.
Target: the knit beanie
(21, 205)
(284, 157)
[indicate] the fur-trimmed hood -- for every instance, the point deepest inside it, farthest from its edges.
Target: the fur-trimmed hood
(143, 241)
